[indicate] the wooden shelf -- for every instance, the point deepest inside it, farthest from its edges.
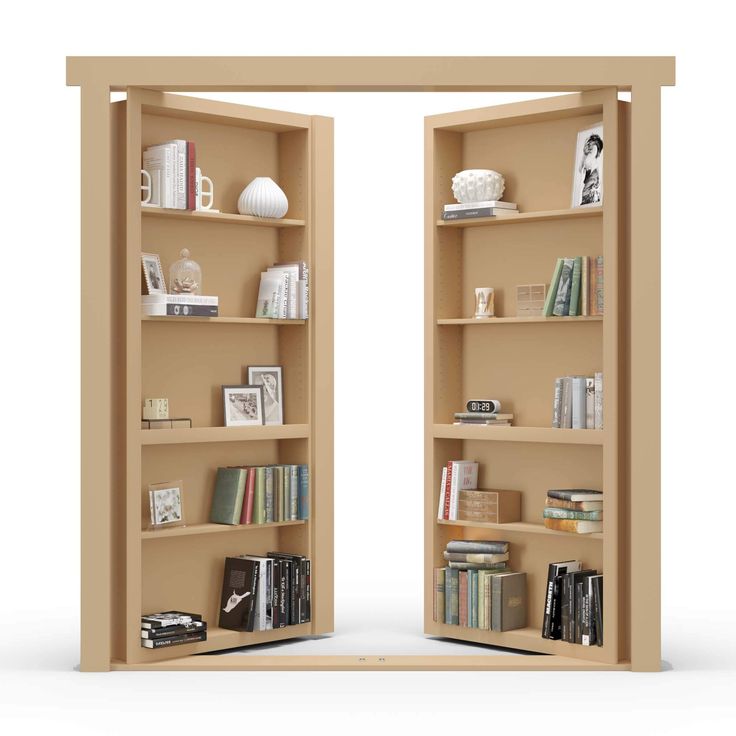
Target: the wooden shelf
(223, 217)
(518, 526)
(226, 320)
(518, 434)
(183, 531)
(515, 320)
(576, 214)
(223, 434)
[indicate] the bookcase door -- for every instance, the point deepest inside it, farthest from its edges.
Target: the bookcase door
(516, 360)
(188, 360)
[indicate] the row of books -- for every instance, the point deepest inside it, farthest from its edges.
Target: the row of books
(488, 208)
(173, 169)
(171, 628)
(573, 609)
(576, 288)
(579, 511)
(260, 495)
(179, 305)
(578, 402)
(476, 589)
(263, 593)
(284, 292)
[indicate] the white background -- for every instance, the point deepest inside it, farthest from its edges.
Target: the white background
(378, 364)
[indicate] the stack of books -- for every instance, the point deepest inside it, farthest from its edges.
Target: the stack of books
(576, 288)
(457, 476)
(578, 511)
(573, 609)
(284, 292)
(476, 589)
(173, 170)
(489, 208)
(483, 411)
(179, 305)
(578, 402)
(170, 628)
(260, 495)
(263, 593)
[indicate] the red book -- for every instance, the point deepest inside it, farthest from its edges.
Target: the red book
(250, 485)
(191, 176)
(448, 486)
(463, 597)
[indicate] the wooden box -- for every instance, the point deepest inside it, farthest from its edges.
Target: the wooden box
(530, 300)
(496, 507)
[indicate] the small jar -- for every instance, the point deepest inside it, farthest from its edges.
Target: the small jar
(185, 275)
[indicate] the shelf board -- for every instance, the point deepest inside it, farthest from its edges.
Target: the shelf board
(223, 217)
(519, 526)
(515, 320)
(226, 320)
(548, 435)
(183, 531)
(573, 214)
(223, 434)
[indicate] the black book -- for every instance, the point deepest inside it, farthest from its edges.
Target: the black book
(309, 590)
(168, 618)
(165, 631)
(238, 600)
(565, 600)
(596, 603)
(275, 591)
(576, 602)
(170, 641)
(550, 623)
(295, 584)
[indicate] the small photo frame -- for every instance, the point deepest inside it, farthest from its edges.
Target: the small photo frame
(587, 188)
(243, 405)
(166, 504)
(153, 273)
(271, 378)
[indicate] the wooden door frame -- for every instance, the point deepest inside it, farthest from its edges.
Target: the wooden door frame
(642, 76)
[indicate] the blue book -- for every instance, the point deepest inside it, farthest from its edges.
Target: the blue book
(303, 507)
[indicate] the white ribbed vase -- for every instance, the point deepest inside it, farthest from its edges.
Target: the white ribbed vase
(263, 197)
(478, 185)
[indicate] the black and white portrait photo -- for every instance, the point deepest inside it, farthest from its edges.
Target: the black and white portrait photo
(270, 377)
(243, 405)
(153, 273)
(588, 176)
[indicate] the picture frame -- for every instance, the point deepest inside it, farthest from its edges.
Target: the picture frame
(587, 187)
(166, 504)
(243, 405)
(270, 377)
(153, 273)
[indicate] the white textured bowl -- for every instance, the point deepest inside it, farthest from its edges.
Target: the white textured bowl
(478, 185)
(263, 197)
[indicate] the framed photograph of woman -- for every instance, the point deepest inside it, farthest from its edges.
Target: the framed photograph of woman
(587, 188)
(243, 405)
(270, 377)
(153, 274)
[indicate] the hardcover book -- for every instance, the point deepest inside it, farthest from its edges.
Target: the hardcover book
(574, 526)
(575, 494)
(239, 588)
(170, 641)
(168, 618)
(508, 606)
(227, 501)
(551, 620)
(474, 557)
(477, 546)
(564, 289)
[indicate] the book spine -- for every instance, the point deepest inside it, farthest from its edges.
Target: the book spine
(184, 310)
(566, 401)
(598, 401)
(496, 604)
(174, 640)
(565, 607)
(269, 495)
(438, 600)
(468, 214)
(562, 298)
(599, 272)
(598, 609)
(303, 492)
(259, 503)
(498, 204)
(590, 403)
(578, 402)
(487, 601)
(483, 547)
(555, 629)
(308, 580)
(454, 485)
(194, 627)
(549, 302)
(553, 513)
(441, 502)
(463, 598)
(285, 593)
(293, 492)
(181, 177)
(448, 494)
(305, 306)
(454, 597)
(547, 619)
(191, 176)
(577, 635)
(169, 173)
(573, 526)
(585, 627)
(577, 268)
(557, 404)
(585, 287)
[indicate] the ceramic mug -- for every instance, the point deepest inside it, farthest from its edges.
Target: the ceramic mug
(484, 302)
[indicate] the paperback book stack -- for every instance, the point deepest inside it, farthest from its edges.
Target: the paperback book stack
(263, 593)
(260, 495)
(488, 208)
(284, 292)
(578, 402)
(180, 305)
(171, 628)
(476, 590)
(483, 411)
(578, 511)
(576, 288)
(573, 609)
(173, 170)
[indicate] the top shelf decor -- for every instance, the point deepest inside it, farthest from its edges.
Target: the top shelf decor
(263, 197)
(477, 185)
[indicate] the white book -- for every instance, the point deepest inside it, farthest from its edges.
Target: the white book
(557, 404)
(268, 295)
(157, 161)
(263, 614)
(566, 403)
(294, 492)
(578, 402)
(303, 275)
(293, 302)
(464, 478)
(599, 401)
(180, 173)
(476, 205)
(441, 504)
(210, 301)
(590, 403)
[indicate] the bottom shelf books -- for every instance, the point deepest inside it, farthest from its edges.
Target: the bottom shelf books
(476, 589)
(170, 628)
(262, 593)
(573, 609)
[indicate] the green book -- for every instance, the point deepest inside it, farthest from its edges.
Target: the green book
(259, 503)
(549, 302)
(227, 501)
(577, 270)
